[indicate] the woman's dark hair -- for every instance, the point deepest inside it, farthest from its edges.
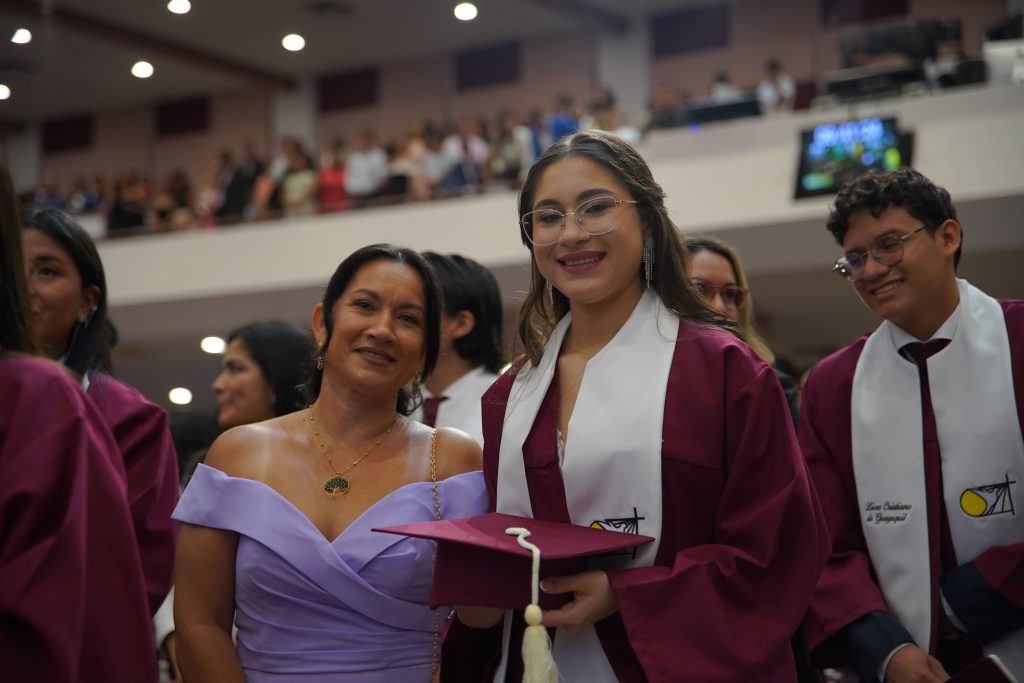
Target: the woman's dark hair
(670, 281)
(282, 351)
(432, 309)
(468, 286)
(89, 343)
(15, 334)
(906, 189)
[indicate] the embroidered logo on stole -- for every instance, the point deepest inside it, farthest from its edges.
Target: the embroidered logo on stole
(988, 500)
(627, 525)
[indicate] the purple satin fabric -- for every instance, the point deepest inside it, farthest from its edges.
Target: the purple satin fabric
(353, 609)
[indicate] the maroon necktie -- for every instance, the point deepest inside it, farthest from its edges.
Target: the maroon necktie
(430, 409)
(938, 522)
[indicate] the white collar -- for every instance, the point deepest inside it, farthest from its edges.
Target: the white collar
(947, 330)
(461, 384)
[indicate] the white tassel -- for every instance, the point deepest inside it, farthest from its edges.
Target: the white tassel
(538, 664)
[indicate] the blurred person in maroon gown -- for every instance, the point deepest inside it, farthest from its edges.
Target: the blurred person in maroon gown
(68, 294)
(716, 271)
(913, 438)
(72, 601)
(635, 409)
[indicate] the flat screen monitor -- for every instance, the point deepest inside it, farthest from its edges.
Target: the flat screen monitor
(833, 154)
(708, 110)
(872, 81)
(1010, 28)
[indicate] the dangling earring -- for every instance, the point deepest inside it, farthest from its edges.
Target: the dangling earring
(84, 318)
(319, 356)
(414, 390)
(648, 261)
(550, 291)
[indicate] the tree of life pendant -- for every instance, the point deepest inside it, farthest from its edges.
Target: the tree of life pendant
(336, 485)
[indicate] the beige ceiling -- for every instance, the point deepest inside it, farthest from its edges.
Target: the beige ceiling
(80, 57)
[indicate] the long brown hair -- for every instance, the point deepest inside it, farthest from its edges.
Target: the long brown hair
(537, 316)
(745, 311)
(15, 334)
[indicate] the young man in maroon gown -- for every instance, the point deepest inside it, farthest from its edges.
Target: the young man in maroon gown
(902, 431)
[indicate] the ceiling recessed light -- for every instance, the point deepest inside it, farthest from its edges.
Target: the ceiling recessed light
(465, 11)
(293, 42)
(212, 345)
(179, 6)
(5, 92)
(180, 396)
(142, 69)
(22, 36)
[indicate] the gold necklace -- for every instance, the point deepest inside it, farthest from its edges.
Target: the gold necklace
(339, 484)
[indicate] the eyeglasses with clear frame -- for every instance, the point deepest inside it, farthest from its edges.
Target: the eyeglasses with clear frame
(595, 216)
(732, 295)
(886, 249)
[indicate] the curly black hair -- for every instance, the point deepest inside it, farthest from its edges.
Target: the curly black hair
(906, 189)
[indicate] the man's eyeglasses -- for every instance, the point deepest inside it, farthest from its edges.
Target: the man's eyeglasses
(595, 217)
(887, 250)
(732, 295)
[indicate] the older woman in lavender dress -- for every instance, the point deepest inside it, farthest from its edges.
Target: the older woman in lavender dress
(277, 524)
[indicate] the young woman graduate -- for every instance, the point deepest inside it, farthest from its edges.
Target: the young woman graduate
(635, 410)
(72, 600)
(68, 291)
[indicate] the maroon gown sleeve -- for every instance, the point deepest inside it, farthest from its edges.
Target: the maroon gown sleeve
(846, 589)
(1003, 566)
(151, 464)
(743, 537)
(42, 543)
(72, 607)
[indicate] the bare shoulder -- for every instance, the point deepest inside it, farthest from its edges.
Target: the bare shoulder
(247, 451)
(457, 452)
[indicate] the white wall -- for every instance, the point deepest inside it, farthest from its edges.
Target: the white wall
(21, 153)
(293, 113)
(302, 252)
(623, 61)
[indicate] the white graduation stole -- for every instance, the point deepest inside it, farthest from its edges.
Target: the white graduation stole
(612, 464)
(982, 455)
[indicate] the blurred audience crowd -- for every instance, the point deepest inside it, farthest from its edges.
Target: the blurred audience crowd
(427, 161)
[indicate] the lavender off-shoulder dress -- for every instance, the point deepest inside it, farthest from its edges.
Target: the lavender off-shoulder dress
(310, 610)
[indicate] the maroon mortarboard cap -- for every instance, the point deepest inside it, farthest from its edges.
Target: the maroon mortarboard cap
(479, 564)
(988, 669)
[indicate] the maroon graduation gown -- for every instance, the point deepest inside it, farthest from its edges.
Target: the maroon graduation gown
(847, 589)
(742, 541)
(72, 602)
(140, 428)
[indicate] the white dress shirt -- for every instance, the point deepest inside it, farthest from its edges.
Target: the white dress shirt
(462, 409)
